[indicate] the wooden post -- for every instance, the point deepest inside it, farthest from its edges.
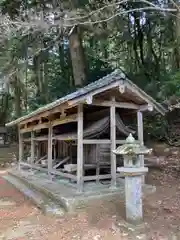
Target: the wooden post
(54, 150)
(140, 137)
(20, 149)
(113, 143)
(50, 130)
(37, 151)
(80, 149)
(32, 147)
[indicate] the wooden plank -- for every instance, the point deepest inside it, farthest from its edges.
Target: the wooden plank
(96, 141)
(125, 105)
(61, 162)
(33, 166)
(140, 137)
(80, 149)
(65, 175)
(50, 150)
(97, 177)
(32, 148)
(40, 159)
(113, 143)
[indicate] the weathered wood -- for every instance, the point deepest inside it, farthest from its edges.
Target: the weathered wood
(125, 105)
(40, 159)
(97, 164)
(66, 119)
(140, 136)
(113, 143)
(59, 121)
(35, 127)
(80, 149)
(83, 99)
(61, 162)
(50, 150)
(96, 141)
(54, 172)
(33, 166)
(20, 148)
(97, 177)
(65, 175)
(146, 107)
(32, 148)
(37, 114)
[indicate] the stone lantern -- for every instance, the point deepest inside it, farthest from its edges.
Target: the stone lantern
(133, 172)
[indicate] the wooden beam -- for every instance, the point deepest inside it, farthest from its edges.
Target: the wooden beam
(93, 93)
(125, 105)
(54, 172)
(99, 177)
(96, 141)
(33, 166)
(146, 107)
(44, 113)
(35, 127)
(113, 143)
(65, 175)
(32, 147)
(140, 137)
(50, 150)
(80, 149)
(63, 120)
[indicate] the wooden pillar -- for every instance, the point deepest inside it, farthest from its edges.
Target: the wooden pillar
(37, 151)
(32, 148)
(21, 149)
(80, 149)
(50, 131)
(54, 150)
(140, 137)
(113, 143)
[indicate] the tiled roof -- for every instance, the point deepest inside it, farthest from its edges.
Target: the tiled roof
(116, 75)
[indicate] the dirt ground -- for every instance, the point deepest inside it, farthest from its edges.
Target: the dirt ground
(21, 220)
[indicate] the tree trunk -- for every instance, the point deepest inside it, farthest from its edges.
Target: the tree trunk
(17, 96)
(177, 42)
(77, 57)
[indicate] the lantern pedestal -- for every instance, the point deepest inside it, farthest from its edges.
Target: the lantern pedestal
(133, 193)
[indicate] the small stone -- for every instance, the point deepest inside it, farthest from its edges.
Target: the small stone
(166, 150)
(97, 237)
(125, 234)
(142, 236)
(131, 229)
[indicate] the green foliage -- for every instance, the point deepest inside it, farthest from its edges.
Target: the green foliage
(37, 65)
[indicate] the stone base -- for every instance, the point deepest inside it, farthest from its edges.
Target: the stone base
(64, 193)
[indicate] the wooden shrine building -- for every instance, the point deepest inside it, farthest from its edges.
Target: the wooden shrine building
(73, 137)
